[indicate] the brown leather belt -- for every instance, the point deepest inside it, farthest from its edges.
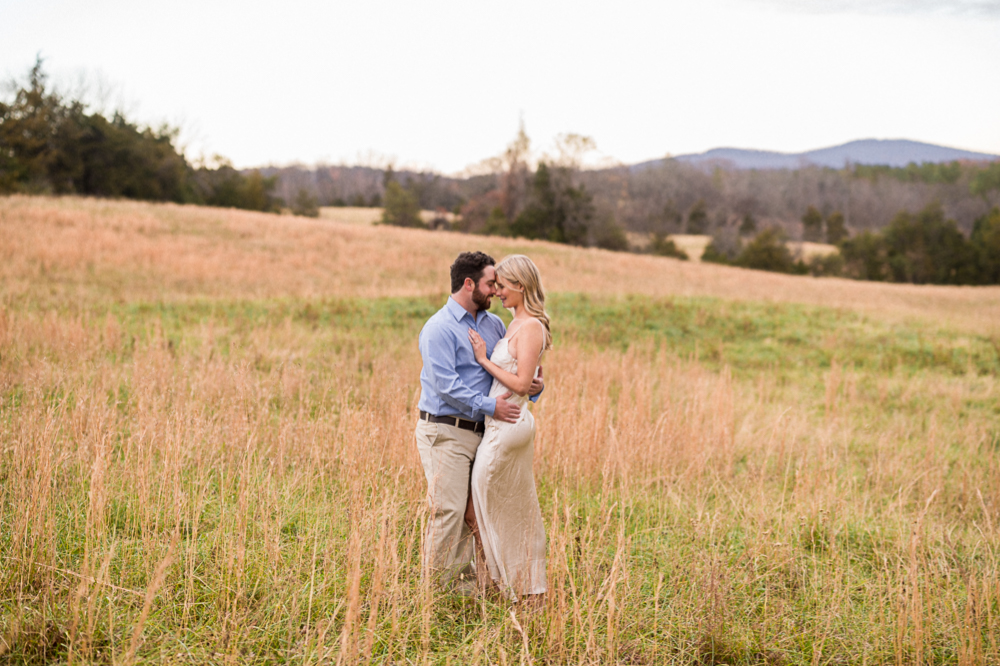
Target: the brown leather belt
(477, 427)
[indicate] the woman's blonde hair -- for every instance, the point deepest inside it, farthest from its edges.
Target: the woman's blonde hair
(519, 270)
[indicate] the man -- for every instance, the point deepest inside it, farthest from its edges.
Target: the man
(453, 404)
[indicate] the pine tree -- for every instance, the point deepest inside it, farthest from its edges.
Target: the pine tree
(697, 218)
(836, 230)
(812, 226)
(401, 207)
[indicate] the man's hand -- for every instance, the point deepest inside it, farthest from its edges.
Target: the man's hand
(505, 411)
(537, 384)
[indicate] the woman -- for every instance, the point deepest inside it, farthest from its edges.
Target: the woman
(503, 510)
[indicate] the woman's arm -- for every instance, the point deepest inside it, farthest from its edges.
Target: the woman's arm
(529, 346)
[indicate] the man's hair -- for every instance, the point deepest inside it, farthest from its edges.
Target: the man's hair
(469, 265)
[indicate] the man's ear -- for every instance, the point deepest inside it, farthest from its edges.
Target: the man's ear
(469, 284)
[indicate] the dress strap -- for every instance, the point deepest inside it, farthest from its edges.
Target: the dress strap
(518, 330)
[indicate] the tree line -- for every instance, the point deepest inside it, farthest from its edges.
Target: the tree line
(919, 248)
(545, 200)
(601, 206)
(50, 143)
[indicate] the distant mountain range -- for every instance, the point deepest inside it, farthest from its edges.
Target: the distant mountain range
(888, 152)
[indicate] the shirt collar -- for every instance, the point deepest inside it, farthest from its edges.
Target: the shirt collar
(457, 311)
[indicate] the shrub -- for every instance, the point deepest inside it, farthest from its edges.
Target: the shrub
(305, 204)
(496, 223)
(663, 246)
(606, 234)
(714, 255)
(865, 257)
(826, 265)
(767, 252)
(724, 248)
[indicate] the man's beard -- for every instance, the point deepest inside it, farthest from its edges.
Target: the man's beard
(481, 300)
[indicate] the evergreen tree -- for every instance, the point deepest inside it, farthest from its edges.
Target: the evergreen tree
(986, 180)
(985, 243)
(748, 227)
(812, 226)
(826, 265)
(51, 144)
(836, 230)
(865, 256)
(927, 249)
(401, 207)
(556, 211)
(697, 222)
(767, 252)
(496, 223)
(305, 204)
(714, 255)
(29, 128)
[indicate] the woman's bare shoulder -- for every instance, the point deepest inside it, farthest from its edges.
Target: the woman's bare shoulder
(537, 328)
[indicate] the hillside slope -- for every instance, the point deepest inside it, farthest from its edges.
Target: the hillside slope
(81, 250)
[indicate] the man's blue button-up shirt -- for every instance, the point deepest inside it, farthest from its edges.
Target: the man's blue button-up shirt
(452, 383)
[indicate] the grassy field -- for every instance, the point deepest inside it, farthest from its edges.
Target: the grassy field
(206, 453)
(369, 216)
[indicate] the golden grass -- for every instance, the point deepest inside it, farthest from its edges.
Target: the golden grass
(132, 250)
(184, 479)
(692, 244)
(806, 250)
(262, 497)
(351, 215)
(370, 216)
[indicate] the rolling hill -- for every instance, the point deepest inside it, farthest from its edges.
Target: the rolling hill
(133, 251)
(888, 152)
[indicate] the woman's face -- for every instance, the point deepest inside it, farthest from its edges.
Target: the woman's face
(509, 293)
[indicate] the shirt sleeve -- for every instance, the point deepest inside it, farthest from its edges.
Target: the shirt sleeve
(440, 355)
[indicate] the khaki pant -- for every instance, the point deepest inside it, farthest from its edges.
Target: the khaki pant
(447, 454)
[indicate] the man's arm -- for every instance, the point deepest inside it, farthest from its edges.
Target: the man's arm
(537, 386)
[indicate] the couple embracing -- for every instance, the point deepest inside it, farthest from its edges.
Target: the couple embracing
(475, 435)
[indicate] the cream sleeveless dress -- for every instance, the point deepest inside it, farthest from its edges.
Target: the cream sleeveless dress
(504, 497)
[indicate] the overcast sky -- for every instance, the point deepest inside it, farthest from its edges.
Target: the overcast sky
(442, 85)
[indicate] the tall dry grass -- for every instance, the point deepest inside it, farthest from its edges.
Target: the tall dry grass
(188, 503)
(56, 249)
(230, 494)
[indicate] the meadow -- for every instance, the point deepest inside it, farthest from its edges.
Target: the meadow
(206, 453)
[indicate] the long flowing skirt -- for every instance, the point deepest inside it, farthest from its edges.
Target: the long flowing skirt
(506, 505)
